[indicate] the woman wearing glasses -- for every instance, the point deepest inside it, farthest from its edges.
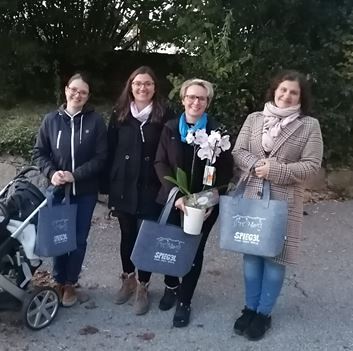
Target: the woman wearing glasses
(71, 148)
(174, 152)
(133, 134)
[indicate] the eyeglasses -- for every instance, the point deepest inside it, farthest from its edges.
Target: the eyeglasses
(75, 91)
(138, 84)
(192, 98)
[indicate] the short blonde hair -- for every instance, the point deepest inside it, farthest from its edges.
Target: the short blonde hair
(202, 83)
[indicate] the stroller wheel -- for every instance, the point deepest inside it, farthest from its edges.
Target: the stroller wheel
(40, 307)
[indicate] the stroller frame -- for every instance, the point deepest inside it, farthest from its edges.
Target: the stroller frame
(40, 304)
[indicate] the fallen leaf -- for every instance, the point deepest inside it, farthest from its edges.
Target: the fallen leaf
(214, 272)
(91, 305)
(82, 296)
(88, 330)
(146, 336)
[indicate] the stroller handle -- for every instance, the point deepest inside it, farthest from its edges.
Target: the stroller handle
(26, 170)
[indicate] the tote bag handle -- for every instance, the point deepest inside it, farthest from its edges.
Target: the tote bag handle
(266, 191)
(52, 190)
(168, 206)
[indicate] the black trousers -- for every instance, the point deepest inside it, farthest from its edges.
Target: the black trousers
(129, 226)
(189, 281)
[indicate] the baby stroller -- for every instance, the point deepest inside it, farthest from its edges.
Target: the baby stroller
(20, 201)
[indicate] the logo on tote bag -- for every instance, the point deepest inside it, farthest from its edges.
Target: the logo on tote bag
(60, 228)
(164, 257)
(170, 245)
(251, 224)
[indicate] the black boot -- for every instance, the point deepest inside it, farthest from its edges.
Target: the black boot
(243, 322)
(182, 315)
(169, 298)
(258, 327)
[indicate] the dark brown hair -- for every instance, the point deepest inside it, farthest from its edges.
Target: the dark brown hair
(79, 75)
(305, 95)
(122, 107)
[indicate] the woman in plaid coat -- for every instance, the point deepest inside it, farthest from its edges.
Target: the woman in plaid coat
(283, 145)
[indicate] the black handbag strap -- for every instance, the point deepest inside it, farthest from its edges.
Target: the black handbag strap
(168, 206)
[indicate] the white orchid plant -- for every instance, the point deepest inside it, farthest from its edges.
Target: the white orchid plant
(206, 146)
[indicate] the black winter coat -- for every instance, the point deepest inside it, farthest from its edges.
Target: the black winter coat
(133, 183)
(171, 155)
(78, 145)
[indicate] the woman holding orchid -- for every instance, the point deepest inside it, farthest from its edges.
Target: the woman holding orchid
(177, 150)
(283, 145)
(133, 135)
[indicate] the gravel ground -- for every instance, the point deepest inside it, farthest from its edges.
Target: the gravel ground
(314, 311)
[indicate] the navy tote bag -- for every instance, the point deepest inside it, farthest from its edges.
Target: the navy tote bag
(253, 226)
(56, 231)
(164, 248)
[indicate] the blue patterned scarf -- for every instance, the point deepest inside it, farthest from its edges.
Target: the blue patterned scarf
(184, 128)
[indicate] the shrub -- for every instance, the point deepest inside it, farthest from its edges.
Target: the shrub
(19, 127)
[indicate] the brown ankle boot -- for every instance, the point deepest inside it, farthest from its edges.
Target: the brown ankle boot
(127, 288)
(141, 303)
(59, 288)
(69, 296)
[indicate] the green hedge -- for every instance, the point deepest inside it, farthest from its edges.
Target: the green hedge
(19, 127)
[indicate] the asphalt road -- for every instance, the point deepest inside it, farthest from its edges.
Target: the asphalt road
(314, 311)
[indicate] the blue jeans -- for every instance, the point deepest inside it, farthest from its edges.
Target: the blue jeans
(263, 283)
(66, 268)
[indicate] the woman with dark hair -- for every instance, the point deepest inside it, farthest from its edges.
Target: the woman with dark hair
(133, 134)
(283, 145)
(71, 148)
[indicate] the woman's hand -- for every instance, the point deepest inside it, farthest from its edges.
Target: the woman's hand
(58, 178)
(180, 204)
(62, 177)
(263, 169)
(68, 177)
(208, 213)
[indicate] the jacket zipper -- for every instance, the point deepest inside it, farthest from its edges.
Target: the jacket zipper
(141, 130)
(58, 140)
(72, 125)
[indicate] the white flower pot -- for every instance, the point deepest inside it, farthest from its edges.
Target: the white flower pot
(193, 220)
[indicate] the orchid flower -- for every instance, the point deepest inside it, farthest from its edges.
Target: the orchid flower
(205, 153)
(225, 143)
(190, 137)
(214, 138)
(207, 147)
(201, 137)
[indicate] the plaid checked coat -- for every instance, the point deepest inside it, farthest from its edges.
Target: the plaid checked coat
(296, 156)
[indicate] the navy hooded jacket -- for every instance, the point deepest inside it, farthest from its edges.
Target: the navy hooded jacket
(77, 144)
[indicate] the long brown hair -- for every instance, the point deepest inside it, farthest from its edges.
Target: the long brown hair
(122, 106)
(291, 75)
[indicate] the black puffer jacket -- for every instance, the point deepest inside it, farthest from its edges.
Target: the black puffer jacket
(77, 144)
(133, 183)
